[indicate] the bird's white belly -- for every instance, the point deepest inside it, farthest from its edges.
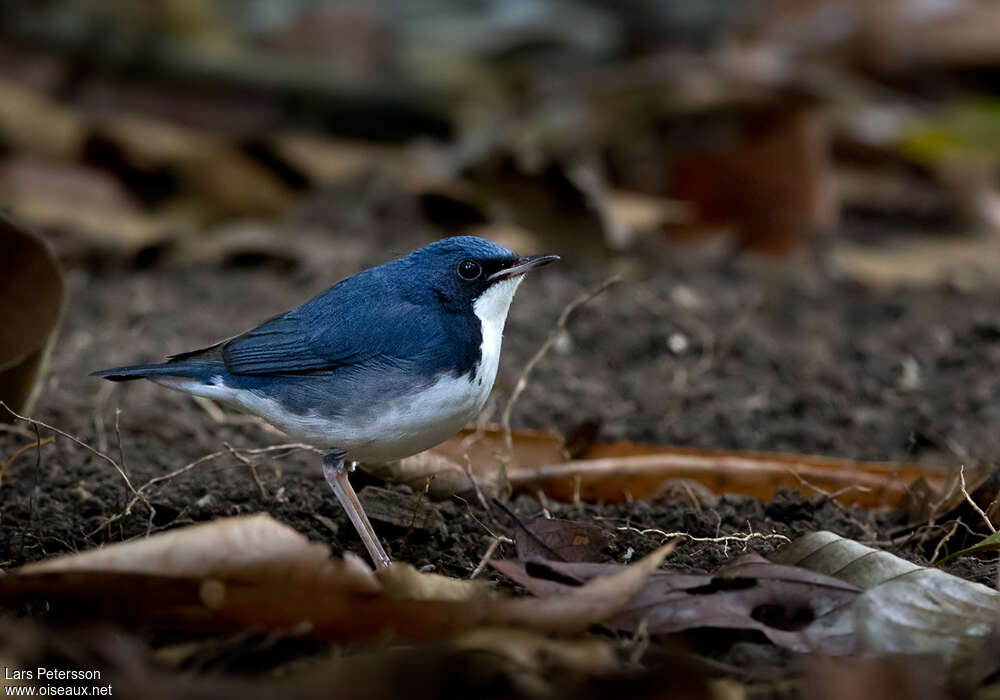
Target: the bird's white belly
(395, 429)
(398, 428)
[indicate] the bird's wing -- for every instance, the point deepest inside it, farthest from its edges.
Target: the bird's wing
(348, 324)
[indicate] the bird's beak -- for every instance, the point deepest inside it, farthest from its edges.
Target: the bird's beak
(522, 265)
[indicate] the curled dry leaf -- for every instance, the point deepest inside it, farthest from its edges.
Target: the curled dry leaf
(619, 471)
(31, 293)
(256, 572)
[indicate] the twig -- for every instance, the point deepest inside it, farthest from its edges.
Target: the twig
(21, 451)
(140, 493)
(494, 543)
(78, 441)
(724, 539)
(121, 445)
(975, 506)
(522, 381)
(250, 465)
(943, 541)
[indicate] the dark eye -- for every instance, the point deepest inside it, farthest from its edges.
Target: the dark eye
(469, 269)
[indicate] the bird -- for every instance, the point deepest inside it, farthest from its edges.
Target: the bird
(382, 365)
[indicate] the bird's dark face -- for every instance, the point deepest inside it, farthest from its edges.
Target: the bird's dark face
(467, 273)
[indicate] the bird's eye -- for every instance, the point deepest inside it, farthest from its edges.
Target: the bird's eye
(469, 270)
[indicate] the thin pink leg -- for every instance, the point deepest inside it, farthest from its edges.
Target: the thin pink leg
(336, 474)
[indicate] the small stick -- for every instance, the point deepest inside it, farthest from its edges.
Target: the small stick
(724, 539)
(494, 543)
(522, 381)
(251, 467)
(118, 436)
(975, 506)
(140, 494)
(78, 441)
(21, 451)
(941, 543)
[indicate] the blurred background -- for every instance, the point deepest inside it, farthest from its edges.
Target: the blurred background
(184, 129)
(800, 194)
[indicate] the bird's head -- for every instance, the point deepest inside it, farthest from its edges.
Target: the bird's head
(471, 273)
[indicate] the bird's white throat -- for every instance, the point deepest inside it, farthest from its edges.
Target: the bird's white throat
(491, 309)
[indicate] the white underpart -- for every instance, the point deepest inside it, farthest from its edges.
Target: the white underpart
(410, 424)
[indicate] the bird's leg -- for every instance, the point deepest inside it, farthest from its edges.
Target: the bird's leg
(336, 473)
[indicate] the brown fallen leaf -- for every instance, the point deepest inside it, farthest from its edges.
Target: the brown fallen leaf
(557, 539)
(794, 608)
(621, 471)
(31, 296)
(473, 454)
(255, 572)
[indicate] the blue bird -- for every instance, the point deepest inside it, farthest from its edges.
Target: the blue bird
(380, 366)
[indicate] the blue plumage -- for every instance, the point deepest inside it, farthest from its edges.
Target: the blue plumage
(382, 365)
(410, 312)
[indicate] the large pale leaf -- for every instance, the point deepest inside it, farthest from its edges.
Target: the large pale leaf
(906, 608)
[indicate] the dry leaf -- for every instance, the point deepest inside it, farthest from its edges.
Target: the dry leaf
(400, 580)
(906, 608)
(31, 295)
(254, 572)
(794, 608)
(445, 470)
(559, 540)
(621, 471)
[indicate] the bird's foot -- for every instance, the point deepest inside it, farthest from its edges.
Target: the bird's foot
(336, 473)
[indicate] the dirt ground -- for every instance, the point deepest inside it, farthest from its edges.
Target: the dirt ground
(690, 350)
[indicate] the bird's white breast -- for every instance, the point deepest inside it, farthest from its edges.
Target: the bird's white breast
(491, 309)
(404, 426)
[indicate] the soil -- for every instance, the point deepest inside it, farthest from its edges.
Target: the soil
(691, 350)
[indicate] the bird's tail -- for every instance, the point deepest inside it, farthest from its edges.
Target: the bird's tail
(183, 370)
